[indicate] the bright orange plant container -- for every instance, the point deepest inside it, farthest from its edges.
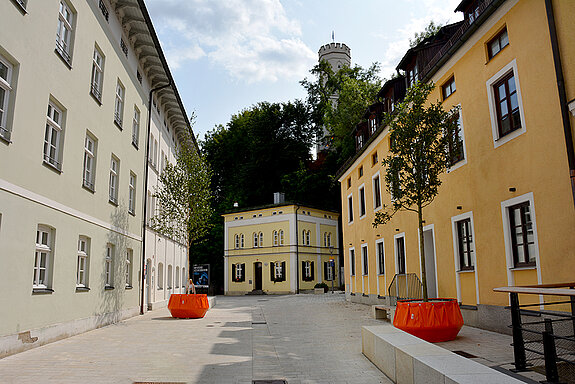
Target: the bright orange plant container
(192, 306)
(434, 321)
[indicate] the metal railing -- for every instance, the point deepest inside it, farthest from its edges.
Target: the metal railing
(546, 344)
(406, 286)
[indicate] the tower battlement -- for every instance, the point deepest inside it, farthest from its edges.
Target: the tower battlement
(334, 48)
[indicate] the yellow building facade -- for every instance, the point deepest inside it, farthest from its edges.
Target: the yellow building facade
(505, 212)
(280, 249)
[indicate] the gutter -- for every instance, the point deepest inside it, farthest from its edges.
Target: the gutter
(562, 93)
(296, 252)
(145, 199)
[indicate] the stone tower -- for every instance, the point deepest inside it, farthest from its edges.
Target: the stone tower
(337, 55)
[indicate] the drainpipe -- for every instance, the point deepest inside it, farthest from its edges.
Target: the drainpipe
(145, 200)
(296, 252)
(562, 94)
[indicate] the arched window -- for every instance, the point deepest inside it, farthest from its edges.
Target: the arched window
(242, 240)
(160, 276)
(261, 239)
(329, 239)
(325, 239)
(275, 236)
(184, 277)
(236, 241)
(307, 236)
(281, 237)
(177, 277)
(255, 240)
(170, 276)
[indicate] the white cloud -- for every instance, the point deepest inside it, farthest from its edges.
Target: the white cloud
(253, 40)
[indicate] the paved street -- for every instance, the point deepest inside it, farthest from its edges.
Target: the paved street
(299, 338)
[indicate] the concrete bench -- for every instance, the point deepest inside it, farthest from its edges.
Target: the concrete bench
(407, 359)
(383, 312)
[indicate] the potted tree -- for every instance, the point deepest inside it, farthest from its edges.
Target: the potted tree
(184, 195)
(420, 140)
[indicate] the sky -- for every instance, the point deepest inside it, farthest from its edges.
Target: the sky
(228, 55)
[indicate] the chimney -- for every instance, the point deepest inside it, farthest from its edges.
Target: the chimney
(279, 198)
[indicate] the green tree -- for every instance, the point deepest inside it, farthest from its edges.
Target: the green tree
(184, 195)
(339, 100)
(431, 30)
(419, 153)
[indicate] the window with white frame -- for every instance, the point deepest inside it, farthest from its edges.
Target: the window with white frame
(242, 240)
(53, 137)
(329, 269)
(184, 277)
(169, 276)
(114, 178)
(400, 255)
(276, 238)
(89, 162)
(238, 272)
(83, 258)
(277, 271)
(6, 70)
(306, 237)
(163, 161)
(97, 75)
(43, 258)
(65, 32)
(129, 267)
(177, 277)
(380, 257)
(256, 238)
(522, 230)
(160, 276)
(132, 194)
(361, 201)
(237, 241)
(350, 209)
(136, 127)
(109, 266)
(505, 105)
(364, 260)
(456, 145)
(261, 239)
(119, 104)
(281, 237)
(464, 244)
(352, 262)
(307, 268)
(376, 192)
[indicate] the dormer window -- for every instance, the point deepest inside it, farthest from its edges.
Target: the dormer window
(412, 76)
(372, 122)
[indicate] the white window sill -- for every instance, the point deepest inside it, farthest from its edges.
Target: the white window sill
(523, 268)
(466, 270)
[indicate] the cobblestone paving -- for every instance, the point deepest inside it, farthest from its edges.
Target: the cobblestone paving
(303, 339)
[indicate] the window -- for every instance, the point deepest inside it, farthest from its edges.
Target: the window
(364, 260)
(276, 238)
(400, 255)
(508, 117)
(349, 182)
(22, 4)
(305, 237)
(104, 9)
(412, 76)
(261, 239)
(281, 237)
(376, 192)
(136, 127)
(242, 240)
(169, 276)
(160, 276)
(329, 269)
(372, 122)
(177, 277)
(256, 238)
(89, 162)
(352, 262)
(82, 267)
(327, 239)
(238, 272)
(114, 173)
(64, 34)
(307, 268)
(360, 171)
(380, 257)
(5, 90)
(124, 47)
(43, 258)
(521, 227)
(97, 75)
(361, 201)
(236, 241)
(129, 264)
(119, 104)
(132, 194)
(184, 277)
(163, 161)
(277, 271)
(53, 137)
(464, 244)
(374, 159)
(495, 45)
(109, 267)
(448, 88)
(350, 209)
(456, 148)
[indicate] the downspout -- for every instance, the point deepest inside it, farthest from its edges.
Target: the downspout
(296, 252)
(562, 93)
(145, 200)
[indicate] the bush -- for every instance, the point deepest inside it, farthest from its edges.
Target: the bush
(322, 285)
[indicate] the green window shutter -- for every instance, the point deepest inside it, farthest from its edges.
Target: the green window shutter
(243, 276)
(283, 276)
(272, 270)
(325, 267)
(234, 272)
(312, 271)
(303, 276)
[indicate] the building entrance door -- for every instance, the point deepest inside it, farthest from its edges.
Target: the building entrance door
(258, 276)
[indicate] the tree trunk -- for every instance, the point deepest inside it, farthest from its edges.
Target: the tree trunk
(422, 251)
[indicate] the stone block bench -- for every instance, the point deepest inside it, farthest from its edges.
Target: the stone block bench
(383, 312)
(406, 359)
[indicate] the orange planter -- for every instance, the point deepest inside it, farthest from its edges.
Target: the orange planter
(188, 306)
(434, 321)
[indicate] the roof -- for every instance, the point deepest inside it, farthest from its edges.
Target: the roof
(286, 204)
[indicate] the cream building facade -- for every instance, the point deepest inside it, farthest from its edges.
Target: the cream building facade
(75, 81)
(280, 249)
